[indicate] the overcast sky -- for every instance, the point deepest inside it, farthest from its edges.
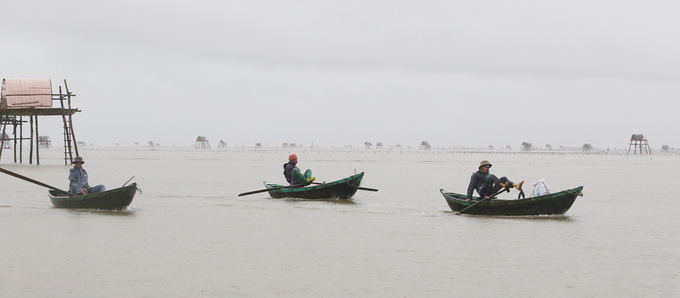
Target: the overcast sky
(335, 73)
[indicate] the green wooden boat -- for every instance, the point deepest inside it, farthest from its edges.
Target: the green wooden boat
(554, 203)
(115, 199)
(340, 189)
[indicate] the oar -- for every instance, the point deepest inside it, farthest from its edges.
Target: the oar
(8, 172)
(133, 177)
(361, 188)
(485, 199)
(267, 189)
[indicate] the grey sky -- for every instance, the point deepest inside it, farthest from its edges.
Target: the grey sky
(471, 73)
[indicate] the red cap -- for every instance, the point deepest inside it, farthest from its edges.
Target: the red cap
(292, 156)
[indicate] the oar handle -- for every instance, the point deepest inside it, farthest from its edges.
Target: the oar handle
(483, 200)
(267, 189)
(8, 172)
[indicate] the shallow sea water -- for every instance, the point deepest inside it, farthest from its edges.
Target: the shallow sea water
(190, 235)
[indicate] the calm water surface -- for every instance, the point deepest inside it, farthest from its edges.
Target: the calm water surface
(190, 235)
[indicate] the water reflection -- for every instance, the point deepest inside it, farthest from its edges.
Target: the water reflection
(562, 217)
(122, 213)
(330, 201)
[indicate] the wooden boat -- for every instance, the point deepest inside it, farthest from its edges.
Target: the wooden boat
(340, 189)
(554, 203)
(115, 199)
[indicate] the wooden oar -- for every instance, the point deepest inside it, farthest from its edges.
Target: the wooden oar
(133, 177)
(8, 172)
(267, 189)
(485, 199)
(361, 188)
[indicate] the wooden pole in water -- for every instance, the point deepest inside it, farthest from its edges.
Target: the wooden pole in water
(30, 151)
(14, 132)
(2, 134)
(37, 141)
(21, 139)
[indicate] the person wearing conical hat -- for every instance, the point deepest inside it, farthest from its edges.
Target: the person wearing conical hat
(486, 183)
(79, 184)
(293, 174)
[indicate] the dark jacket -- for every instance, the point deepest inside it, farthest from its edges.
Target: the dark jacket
(477, 180)
(288, 170)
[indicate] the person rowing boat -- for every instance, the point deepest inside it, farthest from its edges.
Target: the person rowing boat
(293, 174)
(487, 184)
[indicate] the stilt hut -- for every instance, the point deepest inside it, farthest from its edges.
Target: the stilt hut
(379, 146)
(33, 98)
(222, 144)
(526, 147)
(639, 143)
(5, 141)
(44, 142)
(587, 148)
(425, 145)
(202, 143)
(368, 145)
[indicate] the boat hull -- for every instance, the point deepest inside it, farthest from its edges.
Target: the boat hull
(551, 204)
(340, 189)
(115, 199)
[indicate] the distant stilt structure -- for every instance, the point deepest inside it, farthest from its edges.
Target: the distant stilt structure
(548, 147)
(587, 148)
(639, 142)
(34, 98)
(425, 146)
(490, 147)
(202, 143)
(5, 141)
(665, 149)
(508, 148)
(527, 147)
(378, 146)
(151, 144)
(44, 142)
(222, 144)
(368, 145)
(285, 145)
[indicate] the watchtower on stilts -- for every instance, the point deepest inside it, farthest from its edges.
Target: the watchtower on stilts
(202, 143)
(33, 98)
(639, 141)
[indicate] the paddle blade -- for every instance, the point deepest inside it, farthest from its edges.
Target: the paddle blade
(367, 189)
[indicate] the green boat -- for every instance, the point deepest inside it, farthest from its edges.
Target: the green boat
(115, 199)
(340, 189)
(554, 203)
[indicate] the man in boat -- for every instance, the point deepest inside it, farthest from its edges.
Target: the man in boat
(293, 175)
(78, 179)
(486, 183)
